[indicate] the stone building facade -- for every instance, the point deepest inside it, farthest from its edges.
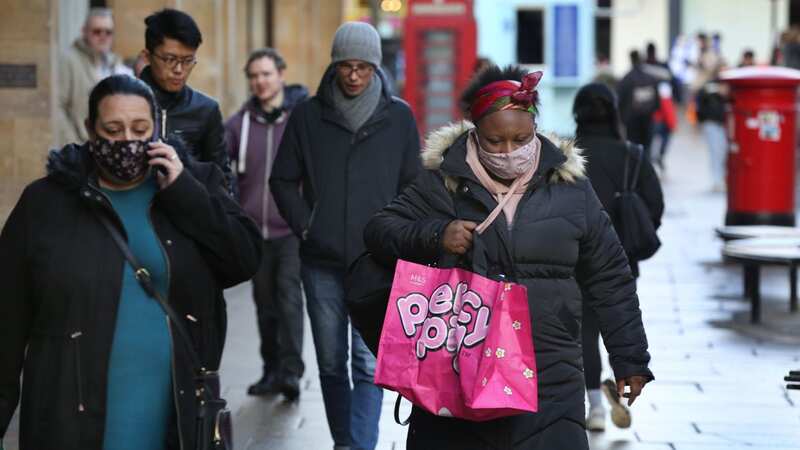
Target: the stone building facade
(34, 32)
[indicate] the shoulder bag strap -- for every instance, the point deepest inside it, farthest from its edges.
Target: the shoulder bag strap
(638, 152)
(143, 277)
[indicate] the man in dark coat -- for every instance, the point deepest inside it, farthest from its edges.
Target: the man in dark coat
(253, 135)
(345, 154)
(638, 100)
(171, 40)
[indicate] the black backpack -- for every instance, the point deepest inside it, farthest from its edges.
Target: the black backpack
(631, 216)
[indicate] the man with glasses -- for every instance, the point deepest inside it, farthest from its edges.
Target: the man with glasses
(345, 153)
(171, 42)
(86, 62)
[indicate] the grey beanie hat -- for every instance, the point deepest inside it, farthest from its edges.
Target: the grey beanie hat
(357, 40)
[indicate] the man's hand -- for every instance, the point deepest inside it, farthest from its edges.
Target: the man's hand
(636, 383)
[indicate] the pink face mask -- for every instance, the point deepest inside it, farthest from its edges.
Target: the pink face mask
(508, 166)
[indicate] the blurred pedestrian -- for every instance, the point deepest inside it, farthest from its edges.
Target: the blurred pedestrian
(711, 115)
(638, 100)
(551, 235)
(748, 59)
(253, 135)
(345, 153)
(665, 118)
(708, 61)
(101, 367)
(171, 42)
(790, 47)
(600, 136)
(88, 60)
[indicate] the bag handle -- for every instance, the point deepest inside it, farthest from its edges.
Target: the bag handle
(397, 413)
(144, 279)
(638, 151)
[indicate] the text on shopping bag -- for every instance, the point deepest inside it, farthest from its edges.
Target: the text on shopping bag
(449, 319)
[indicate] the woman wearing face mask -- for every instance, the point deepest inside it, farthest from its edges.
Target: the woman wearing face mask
(104, 368)
(549, 233)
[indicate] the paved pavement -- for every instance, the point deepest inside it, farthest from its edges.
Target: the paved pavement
(719, 381)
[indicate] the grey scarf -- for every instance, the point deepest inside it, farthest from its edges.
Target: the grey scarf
(357, 110)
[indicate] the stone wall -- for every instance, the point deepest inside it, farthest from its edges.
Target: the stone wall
(25, 38)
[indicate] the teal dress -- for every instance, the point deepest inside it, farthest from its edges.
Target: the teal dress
(139, 405)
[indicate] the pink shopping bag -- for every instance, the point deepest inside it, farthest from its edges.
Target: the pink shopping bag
(458, 344)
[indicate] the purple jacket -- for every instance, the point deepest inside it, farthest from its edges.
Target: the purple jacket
(252, 146)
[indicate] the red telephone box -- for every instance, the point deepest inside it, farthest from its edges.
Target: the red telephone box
(440, 50)
(761, 161)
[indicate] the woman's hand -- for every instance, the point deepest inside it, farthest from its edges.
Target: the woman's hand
(636, 382)
(165, 158)
(457, 237)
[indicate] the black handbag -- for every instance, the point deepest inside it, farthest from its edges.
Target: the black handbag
(367, 287)
(632, 220)
(214, 430)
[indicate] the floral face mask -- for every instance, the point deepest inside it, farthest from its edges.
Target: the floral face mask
(124, 160)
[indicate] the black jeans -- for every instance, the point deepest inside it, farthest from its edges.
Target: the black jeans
(279, 305)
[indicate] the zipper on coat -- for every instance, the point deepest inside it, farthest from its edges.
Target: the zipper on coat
(78, 376)
(169, 326)
(164, 124)
(265, 196)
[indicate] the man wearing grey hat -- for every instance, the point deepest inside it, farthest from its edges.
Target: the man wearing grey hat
(345, 154)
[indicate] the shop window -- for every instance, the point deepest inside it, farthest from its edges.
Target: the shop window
(530, 36)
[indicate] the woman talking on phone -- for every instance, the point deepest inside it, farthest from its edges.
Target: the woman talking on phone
(104, 369)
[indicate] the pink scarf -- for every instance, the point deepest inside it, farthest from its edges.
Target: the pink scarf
(508, 197)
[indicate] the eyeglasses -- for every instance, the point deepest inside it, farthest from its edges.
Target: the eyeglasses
(361, 69)
(102, 31)
(172, 62)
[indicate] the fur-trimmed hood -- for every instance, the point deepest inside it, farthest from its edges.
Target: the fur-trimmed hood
(440, 141)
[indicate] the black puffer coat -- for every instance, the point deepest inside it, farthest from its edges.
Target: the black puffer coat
(62, 274)
(562, 243)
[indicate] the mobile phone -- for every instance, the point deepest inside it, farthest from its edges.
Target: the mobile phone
(155, 138)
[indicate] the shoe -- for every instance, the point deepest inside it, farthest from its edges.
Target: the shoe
(290, 388)
(267, 385)
(596, 420)
(620, 414)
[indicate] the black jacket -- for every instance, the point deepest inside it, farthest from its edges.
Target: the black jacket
(62, 274)
(328, 181)
(605, 166)
(196, 119)
(562, 242)
(711, 103)
(638, 95)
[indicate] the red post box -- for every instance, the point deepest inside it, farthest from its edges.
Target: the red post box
(761, 158)
(439, 41)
